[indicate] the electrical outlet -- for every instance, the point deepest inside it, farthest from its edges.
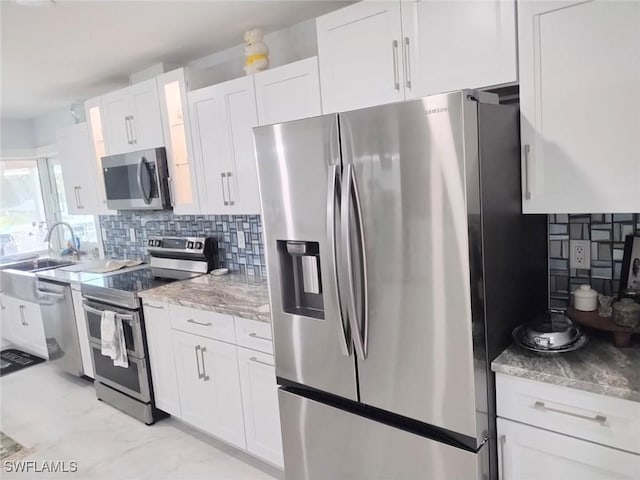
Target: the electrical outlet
(580, 254)
(132, 234)
(241, 242)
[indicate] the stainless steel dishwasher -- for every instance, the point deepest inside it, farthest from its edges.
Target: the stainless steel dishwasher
(59, 321)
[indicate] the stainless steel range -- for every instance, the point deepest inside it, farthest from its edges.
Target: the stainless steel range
(129, 389)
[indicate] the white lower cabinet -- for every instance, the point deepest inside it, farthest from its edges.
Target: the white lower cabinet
(22, 326)
(163, 366)
(83, 334)
(209, 386)
(260, 405)
(527, 452)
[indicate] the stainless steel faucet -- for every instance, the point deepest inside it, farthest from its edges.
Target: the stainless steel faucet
(47, 237)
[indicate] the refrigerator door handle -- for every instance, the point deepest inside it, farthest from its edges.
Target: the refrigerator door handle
(332, 191)
(349, 193)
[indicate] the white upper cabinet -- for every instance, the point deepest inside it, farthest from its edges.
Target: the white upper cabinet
(223, 116)
(78, 170)
(580, 106)
(93, 112)
(172, 88)
(289, 92)
(131, 118)
(452, 45)
(372, 52)
(360, 56)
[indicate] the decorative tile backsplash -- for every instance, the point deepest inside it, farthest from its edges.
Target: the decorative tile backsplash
(606, 232)
(119, 244)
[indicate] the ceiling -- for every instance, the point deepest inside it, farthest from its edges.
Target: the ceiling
(58, 52)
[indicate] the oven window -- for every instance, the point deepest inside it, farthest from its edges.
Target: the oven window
(121, 183)
(93, 323)
(128, 378)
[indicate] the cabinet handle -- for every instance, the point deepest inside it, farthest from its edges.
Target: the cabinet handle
(79, 198)
(255, 335)
(205, 377)
(527, 191)
(229, 188)
(255, 360)
(75, 193)
(23, 319)
(191, 320)
(153, 306)
(600, 419)
(134, 137)
(394, 49)
(224, 197)
(171, 192)
(197, 348)
(502, 440)
(127, 128)
(407, 63)
(1, 304)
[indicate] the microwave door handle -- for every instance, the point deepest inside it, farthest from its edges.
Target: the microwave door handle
(142, 164)
(349, 191)
(332, 196)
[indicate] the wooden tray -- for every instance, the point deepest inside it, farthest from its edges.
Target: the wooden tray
(621, 335)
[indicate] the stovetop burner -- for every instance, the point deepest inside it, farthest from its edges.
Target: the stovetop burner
(131, 281)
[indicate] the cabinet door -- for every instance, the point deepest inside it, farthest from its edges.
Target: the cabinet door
(290, 92)
(580, 106)
(93, 111)
(526, 452)
(78, 170)
(359, 50)
(25, 326)
(147, 121)
(9, 318)
(83, 334)
(116, 121)
(260, 405)
(454, 45)
(163, 365)
(238, 117)
(183, 173)
(207, 131)
(209, 384)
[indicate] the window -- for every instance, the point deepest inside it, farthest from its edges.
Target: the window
(22, 213)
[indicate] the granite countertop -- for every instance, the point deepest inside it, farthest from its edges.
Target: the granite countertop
(598, 367)
(233, 294)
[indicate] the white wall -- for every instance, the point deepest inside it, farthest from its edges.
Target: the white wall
(16, 134)
(45, 127)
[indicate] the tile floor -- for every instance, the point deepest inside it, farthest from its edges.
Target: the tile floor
(60, 418)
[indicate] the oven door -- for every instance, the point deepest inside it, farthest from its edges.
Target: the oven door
(132, 381)
(132, 181)
(131, 325)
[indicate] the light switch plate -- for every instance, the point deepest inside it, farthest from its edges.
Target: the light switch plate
(241, 242)
(580, 254)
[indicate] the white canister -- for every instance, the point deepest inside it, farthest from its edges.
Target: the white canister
(585, 299)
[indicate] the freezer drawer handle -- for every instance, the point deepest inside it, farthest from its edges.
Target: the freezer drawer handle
(602, 420)
(255, 335)
(332, 191)
(255, 360)
(191, 320)
(349, 193)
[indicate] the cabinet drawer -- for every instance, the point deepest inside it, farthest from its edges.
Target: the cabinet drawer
(202, 322)
(255, 335)
(590, 416)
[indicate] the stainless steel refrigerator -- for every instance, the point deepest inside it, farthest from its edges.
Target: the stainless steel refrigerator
(398, 262)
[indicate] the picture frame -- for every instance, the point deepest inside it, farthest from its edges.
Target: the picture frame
(630, 274)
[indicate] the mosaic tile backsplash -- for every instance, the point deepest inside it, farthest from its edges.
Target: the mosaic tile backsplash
(606, 232)
(118, 243)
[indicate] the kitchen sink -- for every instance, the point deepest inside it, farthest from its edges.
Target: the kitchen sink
(38, 265)
(19, 279)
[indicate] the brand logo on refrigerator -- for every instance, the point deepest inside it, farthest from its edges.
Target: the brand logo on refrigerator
(431, 111)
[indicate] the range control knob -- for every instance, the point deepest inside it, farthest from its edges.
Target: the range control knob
(189, 244)
(151, 243)
(198, 245)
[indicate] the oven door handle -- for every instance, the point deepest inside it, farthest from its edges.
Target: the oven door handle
(95, 311)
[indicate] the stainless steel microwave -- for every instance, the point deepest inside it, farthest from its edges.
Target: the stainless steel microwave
(137, 180)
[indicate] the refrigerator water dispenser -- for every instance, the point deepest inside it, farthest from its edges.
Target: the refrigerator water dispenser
(301, 278)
